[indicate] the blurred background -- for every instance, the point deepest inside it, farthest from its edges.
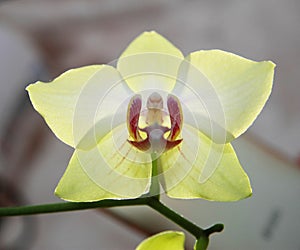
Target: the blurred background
(39, 39)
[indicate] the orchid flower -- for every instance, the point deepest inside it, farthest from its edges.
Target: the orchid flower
(155, 105)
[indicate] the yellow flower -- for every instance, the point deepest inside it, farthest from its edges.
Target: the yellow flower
(184, 111)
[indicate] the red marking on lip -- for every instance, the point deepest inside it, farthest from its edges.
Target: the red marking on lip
(176, 118)
(172, 144)
(133, 115)
(141, 145)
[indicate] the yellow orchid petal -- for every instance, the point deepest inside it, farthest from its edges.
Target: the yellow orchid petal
(201, 106)
(114, 166)
(200, 168)
(150, 62)
(75, 101)
(76, 186)
(151, 41)
(228, 83)
(168, 240)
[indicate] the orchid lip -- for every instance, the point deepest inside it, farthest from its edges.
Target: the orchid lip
(158, 138)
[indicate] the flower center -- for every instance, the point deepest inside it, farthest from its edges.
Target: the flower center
(154, 137)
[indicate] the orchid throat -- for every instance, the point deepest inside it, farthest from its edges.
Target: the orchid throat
(154, 136)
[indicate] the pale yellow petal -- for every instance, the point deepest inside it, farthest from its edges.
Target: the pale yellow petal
(200, 168)
(75, 101)
(76, 186)
(114, 166)
(168, 240)
(233, 90)
(150, 62)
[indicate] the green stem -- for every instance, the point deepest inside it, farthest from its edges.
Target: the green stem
(176, 218)
(67, 206)
(217, 228)
(154, 188)
(202, 243)
(200, 234)
(72, 206)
